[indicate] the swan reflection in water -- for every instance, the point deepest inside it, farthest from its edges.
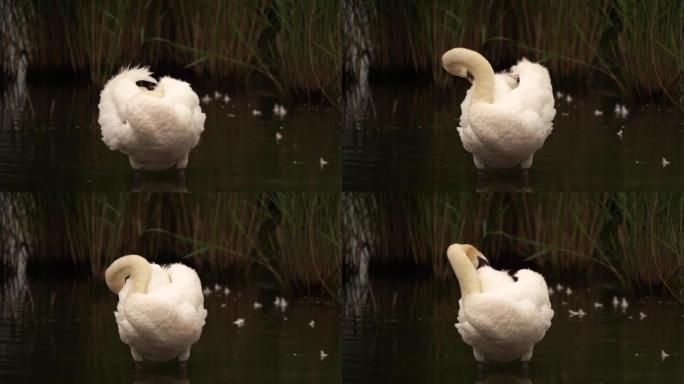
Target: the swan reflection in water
(503, 181)
(145, 183)
(161, 378)
(503, 378)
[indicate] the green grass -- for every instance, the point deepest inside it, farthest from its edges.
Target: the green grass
(292, 238)
(637, 239)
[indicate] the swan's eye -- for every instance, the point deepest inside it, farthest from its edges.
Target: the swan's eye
(145, 84)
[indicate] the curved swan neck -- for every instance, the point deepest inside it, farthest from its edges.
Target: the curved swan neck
(482, 71)
(132, 266)
(464, 269)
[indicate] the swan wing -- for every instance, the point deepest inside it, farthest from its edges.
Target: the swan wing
(186, 102)
(187, 284)
(534, 93)
(116, 132)
(533, 286)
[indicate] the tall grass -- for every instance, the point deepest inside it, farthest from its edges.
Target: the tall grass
(305, 241)
(217, 38)
(648, 244)
(222, 235)
(648, 51)
(636, 238)
(636, 45)
(292, 44)
(306, 46)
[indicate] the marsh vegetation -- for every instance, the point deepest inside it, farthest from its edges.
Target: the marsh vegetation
(288, 239)
(634, 241)
(637, 46)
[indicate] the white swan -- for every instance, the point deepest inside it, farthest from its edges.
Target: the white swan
(161, 312)
(501, 316)
(157, 129)
(505, 117)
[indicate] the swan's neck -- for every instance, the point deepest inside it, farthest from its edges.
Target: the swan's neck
(133, 267)
(479, 67)
(465, 270)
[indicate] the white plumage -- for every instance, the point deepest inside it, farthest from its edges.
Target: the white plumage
(161, 312)
(157, 129)
(502, 319)
(506, 117)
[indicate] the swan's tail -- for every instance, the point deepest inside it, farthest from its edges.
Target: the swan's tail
(113, 99)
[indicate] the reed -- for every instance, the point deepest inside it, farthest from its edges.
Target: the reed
(566, 35)
(222, 235)
(305, 51)
(294, 45)
(648, 245)
(635, 238)
(633, 44)
(305, 242)
(647, 53)
(217, 39)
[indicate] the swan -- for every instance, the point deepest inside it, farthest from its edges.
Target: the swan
(502, 316)
(161, 312)
(156, 128)
(505, 117)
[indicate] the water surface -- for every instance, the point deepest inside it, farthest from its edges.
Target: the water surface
(405, 138)
(402, 331)
(64, 331)
(50, 140)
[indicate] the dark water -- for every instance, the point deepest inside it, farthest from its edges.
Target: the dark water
(65, 332)
(406, 139)
(400, 331)
(50, 140)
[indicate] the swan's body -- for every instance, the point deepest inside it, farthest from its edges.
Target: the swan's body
(506, 117)
(157, 129)
(161, 312)
(501, 318)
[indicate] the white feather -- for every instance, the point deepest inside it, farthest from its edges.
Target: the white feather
(505, 320)
(165, 322)
(509, 131)
(156, 129)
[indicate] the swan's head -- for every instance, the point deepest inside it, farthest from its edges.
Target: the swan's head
(464, 260)
(460, 71)
(474, 255)
(130, 266)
